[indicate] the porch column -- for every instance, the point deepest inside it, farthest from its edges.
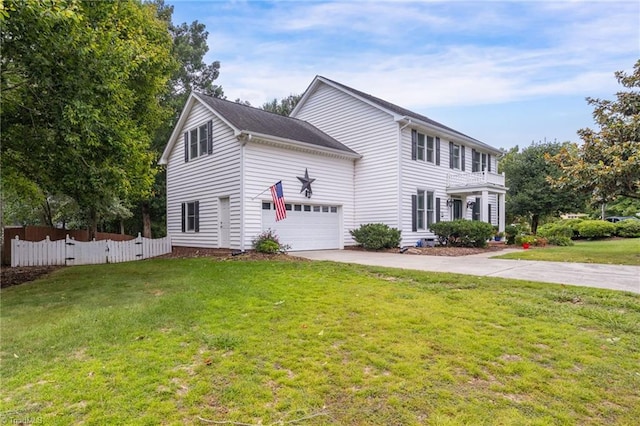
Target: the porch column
(502, 215)
(484, 206)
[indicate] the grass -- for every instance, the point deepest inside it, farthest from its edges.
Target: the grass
(175, 341)
(615, 251)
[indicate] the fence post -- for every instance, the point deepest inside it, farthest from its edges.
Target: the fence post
(140, 244)
(14, 251)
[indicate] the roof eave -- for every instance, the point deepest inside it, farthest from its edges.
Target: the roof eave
(453, 135)
(248, 135)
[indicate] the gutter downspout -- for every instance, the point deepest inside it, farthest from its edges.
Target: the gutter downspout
(400, 192)
(242, 190)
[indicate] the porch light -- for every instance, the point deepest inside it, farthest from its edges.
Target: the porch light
(470, 204)
(449, 202)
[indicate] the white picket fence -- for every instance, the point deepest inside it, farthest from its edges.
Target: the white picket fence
(72, 252)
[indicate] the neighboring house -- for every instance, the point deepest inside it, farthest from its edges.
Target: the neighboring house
(367, 159)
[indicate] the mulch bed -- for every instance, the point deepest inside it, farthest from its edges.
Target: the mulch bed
(15, 276)
(441, 251)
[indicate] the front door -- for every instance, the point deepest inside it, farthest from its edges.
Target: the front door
(457, 209)
(224, 222)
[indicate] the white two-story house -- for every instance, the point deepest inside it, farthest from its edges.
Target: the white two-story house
(344, 158)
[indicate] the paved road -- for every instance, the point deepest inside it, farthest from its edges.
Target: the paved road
(613, 277)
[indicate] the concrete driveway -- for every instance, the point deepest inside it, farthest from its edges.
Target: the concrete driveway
(613, 277)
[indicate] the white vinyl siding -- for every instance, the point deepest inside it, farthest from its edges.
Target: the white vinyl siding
(205, 179)
(371, 133)
(265, 165)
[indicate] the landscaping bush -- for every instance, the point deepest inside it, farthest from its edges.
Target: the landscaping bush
(629, 228)
(268, 242)
(510, 233)
(596, 229)
(376, 236)
(573, 224)
(462, 233)
(555, 229)
(557, 240)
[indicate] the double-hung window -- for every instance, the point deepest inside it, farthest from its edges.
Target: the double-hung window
(424, 147)
(420, 147)
(191, 216)
(475, 165)
(423, 210)
(198, 141)
(455, 156)
(420, 210)
(430, 213)
(430, 149)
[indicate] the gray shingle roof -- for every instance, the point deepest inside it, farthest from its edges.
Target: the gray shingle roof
(253, 120)
(404, 112)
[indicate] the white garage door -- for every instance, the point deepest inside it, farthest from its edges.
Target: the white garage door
(306, 227)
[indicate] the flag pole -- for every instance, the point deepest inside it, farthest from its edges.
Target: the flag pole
(264, 191)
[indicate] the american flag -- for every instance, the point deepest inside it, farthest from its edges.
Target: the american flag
(278, 200)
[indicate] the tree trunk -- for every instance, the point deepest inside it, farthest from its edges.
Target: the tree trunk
(146, 220)
(534, 223)
(93, 224)
(603, 208)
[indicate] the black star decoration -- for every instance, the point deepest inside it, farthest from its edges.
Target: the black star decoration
(306, 183)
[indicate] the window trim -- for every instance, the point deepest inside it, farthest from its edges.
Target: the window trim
(198, 141)
(424, 147)
(187, 224)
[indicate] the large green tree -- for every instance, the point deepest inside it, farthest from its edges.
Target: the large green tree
(284, 106)
(530, 194)
(189, 47)
(607, 164)
(82, 83)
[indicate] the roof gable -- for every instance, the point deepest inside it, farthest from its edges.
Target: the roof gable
(245, 119)
(390, 108)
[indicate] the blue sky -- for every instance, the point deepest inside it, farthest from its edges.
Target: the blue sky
(504, 72)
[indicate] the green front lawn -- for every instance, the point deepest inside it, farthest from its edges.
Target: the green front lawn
(622, 251)
(174, 341)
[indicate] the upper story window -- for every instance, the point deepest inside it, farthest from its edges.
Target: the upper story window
(481, 161)
(456, 156)
(424, 147)
(198, 141)
(475, 161)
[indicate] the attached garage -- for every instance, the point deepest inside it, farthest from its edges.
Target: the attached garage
(306, 227)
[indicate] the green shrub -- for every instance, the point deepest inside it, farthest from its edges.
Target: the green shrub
(268, 242)
(463, 233)
(557, 240)
(629, 228)
(526, 239)
(573, 224)
(596, 229)
(510, 233)
(555, 229)
(376, 236)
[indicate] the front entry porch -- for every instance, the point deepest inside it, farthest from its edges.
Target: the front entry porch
(468, 194)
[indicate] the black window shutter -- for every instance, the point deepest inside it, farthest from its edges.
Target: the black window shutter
(488, 162)
(186, 147)
(437, 151)
(451, 155)
(414, 144)
(414, 217)
(437, 210)
(462, 158)
(473, 160)
(196, 209)
(210, 137)
(184, 217)
(489, 211)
